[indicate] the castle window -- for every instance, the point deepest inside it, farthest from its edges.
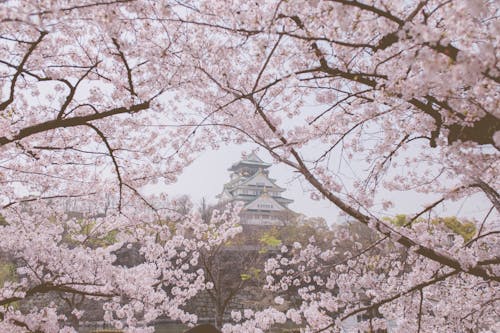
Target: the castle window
(265, 206)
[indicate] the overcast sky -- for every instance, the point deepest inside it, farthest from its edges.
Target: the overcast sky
(206, 176)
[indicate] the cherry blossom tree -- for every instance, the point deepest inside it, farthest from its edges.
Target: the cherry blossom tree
(361, 98)
(160, 285)
(376, 288)
(79, 108)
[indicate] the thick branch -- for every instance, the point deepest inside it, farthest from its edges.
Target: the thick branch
(480, 132)
(65, 196)
(377, 11)
(70, 122)
(490, 192)
(371, 222)
(48, 287)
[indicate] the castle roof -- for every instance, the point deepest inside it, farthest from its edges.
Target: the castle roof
(265, 202)
(251, 160)
(259, 179)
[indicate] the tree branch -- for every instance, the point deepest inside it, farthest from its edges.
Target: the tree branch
(113, 158)
(71, 122)
(378, 304)
(20, 69)
(127, 67)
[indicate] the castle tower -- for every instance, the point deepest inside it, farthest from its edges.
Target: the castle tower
(250, 183)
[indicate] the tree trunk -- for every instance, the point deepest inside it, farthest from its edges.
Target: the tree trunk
(219, 317)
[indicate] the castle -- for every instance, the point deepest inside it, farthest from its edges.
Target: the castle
(264, 203)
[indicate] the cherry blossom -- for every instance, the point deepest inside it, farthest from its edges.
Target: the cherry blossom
(362, 99)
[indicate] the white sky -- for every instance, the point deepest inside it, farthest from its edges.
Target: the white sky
(207, 174)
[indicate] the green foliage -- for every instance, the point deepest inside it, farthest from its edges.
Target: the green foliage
(7, 272)
(270, 240)
(303, 228)
(253, 273)
(2, 220)
(245, 277)
(93, 237)
(466, 229)
(399, 220)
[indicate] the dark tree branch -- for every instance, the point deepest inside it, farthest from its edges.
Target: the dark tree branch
(83, 6)
(490, 192)
(480, 132)
(71, 122)
(20, 69)
(374, 223)
(419, 322)
(378, 304)
(127, 67)
(72, 90)
(66, 196)
(113, 158)
(375, 10)
(479, 236)
(49, 287)
(268, 58)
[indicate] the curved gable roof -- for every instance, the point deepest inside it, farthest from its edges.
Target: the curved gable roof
(260, 179)
(265, 202)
